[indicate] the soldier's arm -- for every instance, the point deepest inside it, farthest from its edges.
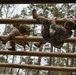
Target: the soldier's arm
(25, 36)
(53, 23)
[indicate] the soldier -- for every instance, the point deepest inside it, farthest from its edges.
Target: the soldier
(53, 33)
(18, 29)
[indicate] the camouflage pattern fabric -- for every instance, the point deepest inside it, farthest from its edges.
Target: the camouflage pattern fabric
(23, 30)
(53, 33)
(59, 35)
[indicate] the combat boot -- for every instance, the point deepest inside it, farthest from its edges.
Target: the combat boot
(40, 18)
(4, 40)
(12, 44)
(35, 15)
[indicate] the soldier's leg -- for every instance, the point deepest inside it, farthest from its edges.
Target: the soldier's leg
(40, 18)
(11, 36)
(34, 13)
(4, 40)
(12, 44)
(46, 25)
(38, 44)
(25, 49)
(1, 39)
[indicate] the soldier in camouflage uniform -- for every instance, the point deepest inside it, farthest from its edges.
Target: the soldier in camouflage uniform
(18, 29)
(52, 32)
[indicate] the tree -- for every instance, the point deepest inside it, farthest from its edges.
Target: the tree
(7, 12)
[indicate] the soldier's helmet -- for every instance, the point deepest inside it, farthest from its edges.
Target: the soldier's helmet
(70, 24)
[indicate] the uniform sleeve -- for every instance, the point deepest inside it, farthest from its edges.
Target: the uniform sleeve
(54, 25)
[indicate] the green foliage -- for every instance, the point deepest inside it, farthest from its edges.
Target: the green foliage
(59, 13)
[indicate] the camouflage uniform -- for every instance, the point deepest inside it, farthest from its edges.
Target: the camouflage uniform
(53, 33)
(22, 29)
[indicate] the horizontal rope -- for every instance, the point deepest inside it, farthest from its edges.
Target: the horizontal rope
(27, 21)
(42, 54)
(34, 1)
(37, 67)
(37, 39)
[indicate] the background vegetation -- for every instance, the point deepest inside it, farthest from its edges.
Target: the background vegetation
(25, 11)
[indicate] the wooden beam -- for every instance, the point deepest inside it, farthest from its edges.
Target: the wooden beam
(28, 39)
(27, 21)
(6, 74)
(37, 39)
(42, 54)
(35, 1)
(18, 21)
(37, 67)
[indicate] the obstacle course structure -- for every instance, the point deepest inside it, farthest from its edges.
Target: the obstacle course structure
(36, 39)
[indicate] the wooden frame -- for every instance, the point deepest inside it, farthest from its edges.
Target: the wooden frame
(35, 1)
(37, 67)
(27, 21)
(37, 39)
(42, 54)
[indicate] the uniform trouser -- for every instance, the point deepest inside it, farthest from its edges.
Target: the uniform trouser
(12, 44)
(14, 33)
(45, 28)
